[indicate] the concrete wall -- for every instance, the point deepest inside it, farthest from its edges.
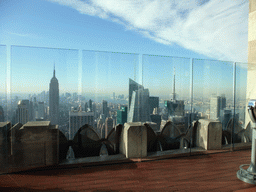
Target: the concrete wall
(133, 141)
(35, 147)
(209, 134)
(4, 127)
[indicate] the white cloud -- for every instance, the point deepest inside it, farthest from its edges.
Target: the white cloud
(216, 28)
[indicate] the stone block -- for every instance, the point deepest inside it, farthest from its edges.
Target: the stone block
(36, 146)
(209, 134)
(133, 141)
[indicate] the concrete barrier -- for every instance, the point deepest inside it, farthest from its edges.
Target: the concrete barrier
(36, 145)
(4, 127)
(209, 134)
(133, 141)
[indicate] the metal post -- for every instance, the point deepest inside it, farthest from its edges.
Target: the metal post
(249, 175)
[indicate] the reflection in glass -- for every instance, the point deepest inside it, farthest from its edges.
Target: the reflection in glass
(105, 78)
(168, 80)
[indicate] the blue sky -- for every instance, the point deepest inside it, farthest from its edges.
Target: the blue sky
(199, 29)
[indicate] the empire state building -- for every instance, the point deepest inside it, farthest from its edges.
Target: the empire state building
(54, 100)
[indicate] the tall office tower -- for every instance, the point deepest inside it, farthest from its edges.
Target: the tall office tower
(41, 110)
(22, 112)
(114, 96)
(77, 119)
(122, 115)
(54, 100)
(223, 101)
(109, 125)
(90, 105)
(1, 114)
(133, 86)
(215, 107)
(86, 107)
(139, 103)
(153, 103)
(105, 110)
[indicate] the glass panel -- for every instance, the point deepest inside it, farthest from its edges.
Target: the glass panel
(40, 77)
(214, 99)
(168, 80)
(105, 84)
(4, 126)
(242, 132)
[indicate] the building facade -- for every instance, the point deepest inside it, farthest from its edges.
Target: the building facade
(77, 119)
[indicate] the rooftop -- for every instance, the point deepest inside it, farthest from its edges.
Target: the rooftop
(37, 123)
(209, 172)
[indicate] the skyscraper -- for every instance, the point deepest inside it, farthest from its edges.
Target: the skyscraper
(22, 112)
(138, 103)
(77, 119)
(90, 105)
(153, 103)
(54, 100)
(105, 110)
(122, 115)
(41, 110)
(109, 125)
(215, 107)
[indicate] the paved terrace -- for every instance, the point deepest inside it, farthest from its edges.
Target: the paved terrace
(210, 172)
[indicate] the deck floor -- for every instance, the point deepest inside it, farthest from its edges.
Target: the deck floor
(212, 172)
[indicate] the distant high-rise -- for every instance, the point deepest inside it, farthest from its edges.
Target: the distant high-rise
(105, 108)
(133, 86)
(1, 114)
(41, 110)
(122, 115)
(215, 103)
(77, 119)
(54, 100)
(86, 107)
(90, 105)
(138, 103)
(222, 101)
(153, 103)
(22, 112)
(109, 125)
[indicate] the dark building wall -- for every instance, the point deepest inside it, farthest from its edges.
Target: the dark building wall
(153, 103)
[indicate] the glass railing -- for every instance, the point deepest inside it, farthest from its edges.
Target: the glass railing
(65, 105)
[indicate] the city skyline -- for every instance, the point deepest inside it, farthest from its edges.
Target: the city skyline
(96, 72)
